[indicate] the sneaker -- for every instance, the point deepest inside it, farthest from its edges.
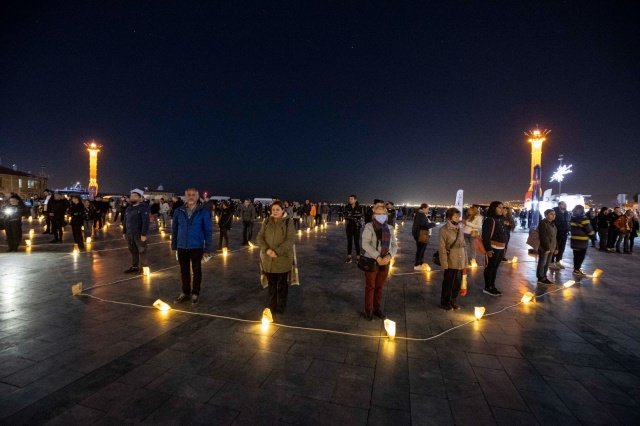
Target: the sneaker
(348, 259)
(445, 307)
(379, 314)
(131, 270)
(194, 299)
(559, 265)
(504, 259)
(368, 316)
(454, 306)
(492, 292)
(540, 280)
(579, 272)
(182, 298)
(547, 281)
(417, 268)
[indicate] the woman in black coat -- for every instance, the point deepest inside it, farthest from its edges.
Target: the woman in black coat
(76, 211)
(226, 218)
(421, 223)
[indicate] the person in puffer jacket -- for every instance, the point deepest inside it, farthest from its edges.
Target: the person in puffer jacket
(581, 233)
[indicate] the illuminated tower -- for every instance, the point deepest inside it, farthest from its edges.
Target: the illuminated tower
(536, 138)
(93, 149)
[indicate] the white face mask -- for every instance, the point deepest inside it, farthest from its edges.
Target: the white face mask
(381, 218)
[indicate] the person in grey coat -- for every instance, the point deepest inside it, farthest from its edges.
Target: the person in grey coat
(548, 245)
(453, 258)
(248, 215)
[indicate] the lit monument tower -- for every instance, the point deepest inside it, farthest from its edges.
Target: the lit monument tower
(536, 138)
(93, 149)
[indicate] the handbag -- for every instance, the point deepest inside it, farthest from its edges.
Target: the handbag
(477, 241)
(436, 255)
(367, 264)
(423, 237)
(534, 239)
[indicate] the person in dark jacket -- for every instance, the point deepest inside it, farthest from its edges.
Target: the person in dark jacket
(548, 245)
(12, 217)
(494, 239)
(226, 218)
(306, 211)
(135, 229)
(353, 218)
(57, 210)
(421, 223)
(613, 231)
(603, 229)
(192, 237)
(76, 211)
(561, 222)
(87, 218)
(248, 215)
(634, 232)
(581, 233)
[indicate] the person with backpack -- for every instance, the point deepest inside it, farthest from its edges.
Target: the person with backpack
(276, 239)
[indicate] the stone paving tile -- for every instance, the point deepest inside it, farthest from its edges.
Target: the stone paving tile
(293, 363)
(380, 416)
(427, 410)
(313, 412)
(337, 371)
(548, 408)
(143, 375)
(472, 411)
(77, 415)
(280, 381)
(245, 373)
(190, 386)
(181, 411)
(499, 390)
(508, 417)
(327, 353)
(578, 399)
(251, 400)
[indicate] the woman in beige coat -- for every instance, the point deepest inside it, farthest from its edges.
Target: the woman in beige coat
(453, 258)
(275, 239)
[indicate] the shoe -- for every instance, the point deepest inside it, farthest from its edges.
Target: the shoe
(547, 281)
(379, 314)
(244, 244)
(445, 307)
(367, 316)
(505, 260)
(357, 258)
(46, 232)
(131, 270)
(579, 272)
(194, 299)
(553, 266)
(54, 241)
(540, 280)
(417, 268)
(182, 298)
(492, 292)
(454, 306)
(559, 265)
(348, 259)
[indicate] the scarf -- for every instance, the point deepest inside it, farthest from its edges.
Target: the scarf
(385, 238)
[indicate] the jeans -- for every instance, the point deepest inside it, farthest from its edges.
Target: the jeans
(420, 249)
(88, 228)
(247, 231)
(491, 268)
(374, 286)
(190, 259)
(296, 223)
(561, 240)
(353, 235)
(471, 250)
(623, 238)
(451, 283)
(544, 259)
(278, 290)
(578, 258)
(138, 249)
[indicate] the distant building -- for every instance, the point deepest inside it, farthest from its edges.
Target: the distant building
(22, 183)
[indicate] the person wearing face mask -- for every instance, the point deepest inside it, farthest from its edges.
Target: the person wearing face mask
(494, 239)
(276, 239)
(453, 258)
(134, 230)
(379, 243)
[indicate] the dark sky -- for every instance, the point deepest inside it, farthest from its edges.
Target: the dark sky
(407, 101)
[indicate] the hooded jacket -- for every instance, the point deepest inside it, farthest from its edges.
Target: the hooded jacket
(278, 236)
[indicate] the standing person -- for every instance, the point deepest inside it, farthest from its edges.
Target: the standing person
(192, 237)
(12, 217)
(624, 223)
(57, 210)
(612, 236)
(561, 222)
(603, 229)
(379, 243)
(593, 218)
(421, 223)
(494, 239)
(353, 218)
(312, 215)
(306, 211)
(224, 223)
(548, 245)
(154, 212)
(325, 212)
(581, 232)
(472, 223)
(276, 239)
(135, 229)
(45, 210)
(76, 211)
(509, 225)
(164, 212)
(297, 214)
(453, 258)
(118, 211)
(87, 218)
(391, 212)
(634, 231)
(248, 215)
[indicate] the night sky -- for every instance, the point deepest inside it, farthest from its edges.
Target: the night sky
(407, 101)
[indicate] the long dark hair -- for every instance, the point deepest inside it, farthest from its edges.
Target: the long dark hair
(491, 211)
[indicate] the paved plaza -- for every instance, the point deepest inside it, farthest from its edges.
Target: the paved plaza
(571, 357)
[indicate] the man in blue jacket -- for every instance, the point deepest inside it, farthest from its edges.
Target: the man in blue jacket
(191, 236)
(135, 227)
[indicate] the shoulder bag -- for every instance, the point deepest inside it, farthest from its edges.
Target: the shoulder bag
(477, 241)
(436, 255)
(367, 264)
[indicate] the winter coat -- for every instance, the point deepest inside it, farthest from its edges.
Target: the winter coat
(581, 232)
(500, 234)
(371, 245)
(353, 216)
(278, 236)
(248, 213)
(226, 217)
(473, 225)
(421, 223)
(623, 224)
(456, 258)
(76, 211)
(136, 219)
(562, 221)
(191, 232)
(548, 233)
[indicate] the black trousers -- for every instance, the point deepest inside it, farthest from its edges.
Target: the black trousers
(296, 223)
(561, 239)
(578, 258)
(57, 227)
(491, 269)
(420, 249)
(98, 221)
(223, 235)
(451, 283)
(14, 233)
(278, 290)
(138, 249)
(78, 237)
(247, 231)
(190, 259)
(47, 222)
(612, 237)
(118, 213)
(353, 237)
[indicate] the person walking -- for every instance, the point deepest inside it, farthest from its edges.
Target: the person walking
(57, 210)
(87, 218)
(494, 240)
(191, 240)
(12, 217)
(509, 226)
(276, 239)
(325, 212)
(76, 211)
(613, 231)
(224, 223)
(561, 222)
(379, 243)
(421, 234)
(46, 206)
(248, 215)
(353, 218)
(306, 212)
(624, 223)
(472, 223)
(581, 232)
(134, 230)
(453, 258)
(548, 245)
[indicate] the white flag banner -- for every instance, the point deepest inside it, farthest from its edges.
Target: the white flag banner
(459, 196)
